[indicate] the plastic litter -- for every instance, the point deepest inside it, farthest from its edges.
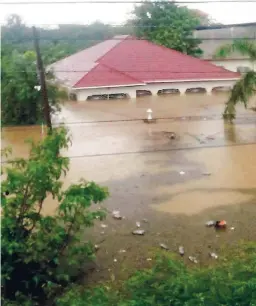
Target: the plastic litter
(122, 251)
(139, 232)
(116, 215)
(138, 224)
(193, 259)
(210, 223)
(103, 225)
(182, 172)
(221, 224)
(164, 246)
(181, 250)
(213, 255)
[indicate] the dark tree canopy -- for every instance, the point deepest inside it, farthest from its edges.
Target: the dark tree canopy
(169, 25)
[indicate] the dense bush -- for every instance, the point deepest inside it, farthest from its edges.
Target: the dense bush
(170, 283)
(40, 252)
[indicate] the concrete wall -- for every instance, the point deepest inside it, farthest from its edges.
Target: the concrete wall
(83, 94)
(233, 64)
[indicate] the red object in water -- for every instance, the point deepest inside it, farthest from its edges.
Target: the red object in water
(221, 224)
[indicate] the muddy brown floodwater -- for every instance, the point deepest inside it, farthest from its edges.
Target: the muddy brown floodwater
(208, 172)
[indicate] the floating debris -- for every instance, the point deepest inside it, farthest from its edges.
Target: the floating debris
(96, 247)
(145, 220)
(182, 172)
(103, 225)
(139, 232)
(122, 251)
(138, 224)
(164, 246)
(115, 260)
(181, 250)
(232, 228)
(207, 173)
(210, 137)
(221, 224)
(102, 233)
(116, 215)
(149, 259)
(210, 223)
(193, 259)
(213, 255)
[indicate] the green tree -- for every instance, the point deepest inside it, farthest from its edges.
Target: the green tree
(40, 252)
(167, 24)
(245, 88)
(21, 102)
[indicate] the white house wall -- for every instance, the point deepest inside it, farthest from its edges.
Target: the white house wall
(83, 94)
(233, 64)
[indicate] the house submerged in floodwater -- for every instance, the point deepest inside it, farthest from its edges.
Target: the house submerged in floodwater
(128, 67)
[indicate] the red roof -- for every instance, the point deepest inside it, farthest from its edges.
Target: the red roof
(128, 61)
(102, 75)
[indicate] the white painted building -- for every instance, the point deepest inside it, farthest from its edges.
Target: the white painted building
(128, 67)
(214, 37)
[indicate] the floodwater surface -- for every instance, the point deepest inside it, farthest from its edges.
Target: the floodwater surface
(207, 172)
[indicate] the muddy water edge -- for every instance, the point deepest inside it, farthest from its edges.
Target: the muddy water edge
(171, 186)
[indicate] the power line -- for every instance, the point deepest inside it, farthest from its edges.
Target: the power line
(20, 41)
(124, 2)
(153, 151)
(212, 117)
(124, 71)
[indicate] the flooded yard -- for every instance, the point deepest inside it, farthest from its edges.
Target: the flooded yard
(207, 172)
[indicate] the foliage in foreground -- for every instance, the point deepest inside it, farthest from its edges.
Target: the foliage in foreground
(40, 252)
(245, 88)
(169, 282)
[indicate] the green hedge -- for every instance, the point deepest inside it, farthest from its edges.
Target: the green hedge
(232, 281)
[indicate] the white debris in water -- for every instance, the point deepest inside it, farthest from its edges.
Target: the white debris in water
(213, 255)
(193, 259)
(138, 224)
(102, 233)
(116, 215)
(115, 260)
(122, 251)
(182, 172)
(181, 250)
(164, 246)
(149, 259)
(139, 232)
(232, 228)
(210, 223)
(145, 220)
(96, 247)
(103, 225)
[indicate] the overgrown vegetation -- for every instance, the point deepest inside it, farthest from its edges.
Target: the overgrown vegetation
(245, 88)
(40, 253)
(232, 282)
(21, 101)
(169, 25)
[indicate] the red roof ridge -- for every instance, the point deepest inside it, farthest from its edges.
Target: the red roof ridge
(110, 68)
(85, 74)
(123, 73)
(121, 40)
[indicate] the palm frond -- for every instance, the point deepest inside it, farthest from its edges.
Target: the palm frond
(244, 47)
(242, 91)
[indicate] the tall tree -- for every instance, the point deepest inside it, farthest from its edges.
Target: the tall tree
(21, 102)
(167, 24)
(245, 88)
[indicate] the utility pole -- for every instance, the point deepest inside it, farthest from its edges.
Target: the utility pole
(41, 75)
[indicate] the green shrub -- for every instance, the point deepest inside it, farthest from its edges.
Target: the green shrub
(170, 283)
(40, 252)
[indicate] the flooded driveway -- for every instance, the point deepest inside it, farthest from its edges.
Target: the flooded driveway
(207, 172)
